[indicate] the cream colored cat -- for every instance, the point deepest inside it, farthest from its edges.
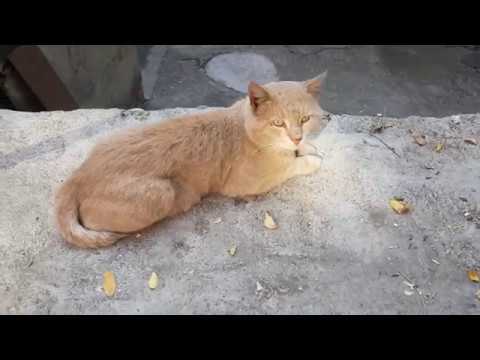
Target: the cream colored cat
(139, 177)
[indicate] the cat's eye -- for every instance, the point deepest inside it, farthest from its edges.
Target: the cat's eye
(304, 119)
(278, 123)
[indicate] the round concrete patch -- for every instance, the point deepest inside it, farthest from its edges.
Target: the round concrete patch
(236, 70)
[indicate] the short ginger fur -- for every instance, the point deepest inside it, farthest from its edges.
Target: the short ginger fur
(135, 179)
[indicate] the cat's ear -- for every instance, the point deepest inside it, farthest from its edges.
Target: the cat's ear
(313, 86)
(257, 95)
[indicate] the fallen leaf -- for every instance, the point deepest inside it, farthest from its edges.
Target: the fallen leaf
(217, 221)
(153, 281)
(378, 127)
(259, 287)
(232, 251)
(468, 216)
(420, 139)
(471, 141)
(473, 276)
(436, 261)
(138, 236)
(269, 222)
(399, 206)
(440, 147)
(109, 283)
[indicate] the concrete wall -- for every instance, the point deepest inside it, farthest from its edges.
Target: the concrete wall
(66, 77)
(98, 76)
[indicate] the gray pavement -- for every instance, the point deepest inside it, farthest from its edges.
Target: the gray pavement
(397, 80)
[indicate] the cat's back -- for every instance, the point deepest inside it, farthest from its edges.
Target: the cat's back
(191, 138)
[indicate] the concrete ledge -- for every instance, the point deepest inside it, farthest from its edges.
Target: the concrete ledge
(339, 247)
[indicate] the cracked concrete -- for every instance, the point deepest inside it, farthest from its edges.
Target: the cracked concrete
(339, 248)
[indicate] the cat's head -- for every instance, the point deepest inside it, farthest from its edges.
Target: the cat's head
(282, 114)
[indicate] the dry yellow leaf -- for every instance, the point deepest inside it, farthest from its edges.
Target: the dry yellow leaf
(471, 141)
(269, 222)
(440, 147)
(420, 140)
(399, 206)
(473, 276)
(232, 251)
(109, 283)
(153, 281)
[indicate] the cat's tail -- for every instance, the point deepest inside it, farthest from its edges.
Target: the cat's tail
(66, 213)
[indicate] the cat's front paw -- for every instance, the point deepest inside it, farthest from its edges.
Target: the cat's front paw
(308, 164)
(305, 149)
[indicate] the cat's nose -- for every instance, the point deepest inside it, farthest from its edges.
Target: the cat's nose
(296, 141)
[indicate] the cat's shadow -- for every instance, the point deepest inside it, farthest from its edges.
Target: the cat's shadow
(151, 232)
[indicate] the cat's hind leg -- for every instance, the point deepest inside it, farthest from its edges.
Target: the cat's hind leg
(128, 206)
